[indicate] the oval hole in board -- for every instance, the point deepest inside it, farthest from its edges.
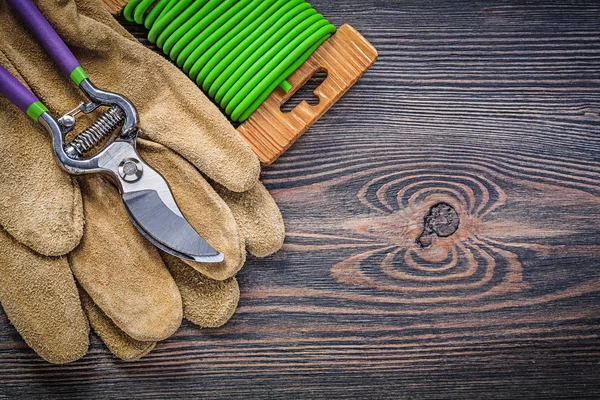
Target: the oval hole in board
(305, 92)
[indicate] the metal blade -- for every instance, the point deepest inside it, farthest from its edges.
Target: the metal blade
(150, 204)
(155, 214)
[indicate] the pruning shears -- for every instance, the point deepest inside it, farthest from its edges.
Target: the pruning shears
(144, 192)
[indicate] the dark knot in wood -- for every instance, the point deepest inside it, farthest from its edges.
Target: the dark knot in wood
(441, 221)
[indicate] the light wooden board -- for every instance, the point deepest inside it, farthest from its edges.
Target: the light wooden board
(345, 57)
(114, 6)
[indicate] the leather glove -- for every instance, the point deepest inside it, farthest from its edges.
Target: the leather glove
(133, 296)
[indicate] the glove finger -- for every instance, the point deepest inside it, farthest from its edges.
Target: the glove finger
(173, 110)
(258, 218)
(202, 207)
(40, 298)
(121, 271)
(198, 132)
(40, 205)
(207, 303)
(117, 341)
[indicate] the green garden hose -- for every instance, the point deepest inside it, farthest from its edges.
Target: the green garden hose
(237, 51)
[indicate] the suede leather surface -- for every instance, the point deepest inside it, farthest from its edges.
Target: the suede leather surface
(257, 217)
(34, 188)
(206, 302)
(131, 299)
(125, 276)
(117, 341)
(40, 298)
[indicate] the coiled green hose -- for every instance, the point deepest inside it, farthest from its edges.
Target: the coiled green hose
(237, 51)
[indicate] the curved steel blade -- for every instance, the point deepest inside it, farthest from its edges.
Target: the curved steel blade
(153, 210)
(150, 203)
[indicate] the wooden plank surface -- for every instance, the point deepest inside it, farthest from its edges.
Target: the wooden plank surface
(490, 107)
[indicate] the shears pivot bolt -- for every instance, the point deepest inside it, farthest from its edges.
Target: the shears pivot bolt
(131, 170)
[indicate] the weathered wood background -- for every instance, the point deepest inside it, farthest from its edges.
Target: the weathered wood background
(491, 107)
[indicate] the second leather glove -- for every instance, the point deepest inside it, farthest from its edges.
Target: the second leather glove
(42, 208)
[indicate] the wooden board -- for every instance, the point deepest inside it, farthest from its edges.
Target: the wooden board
(114, 6)
(346, 56)
(490, 106)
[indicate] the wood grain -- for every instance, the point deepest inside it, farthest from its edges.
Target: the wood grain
(492, 107)
(114, 6)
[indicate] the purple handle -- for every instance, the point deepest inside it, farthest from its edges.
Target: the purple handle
(39, 26)
(14, 91)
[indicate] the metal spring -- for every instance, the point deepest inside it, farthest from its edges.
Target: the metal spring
(93, 135)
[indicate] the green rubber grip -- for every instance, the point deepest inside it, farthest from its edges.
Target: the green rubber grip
(78, 75)
(35, 110)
